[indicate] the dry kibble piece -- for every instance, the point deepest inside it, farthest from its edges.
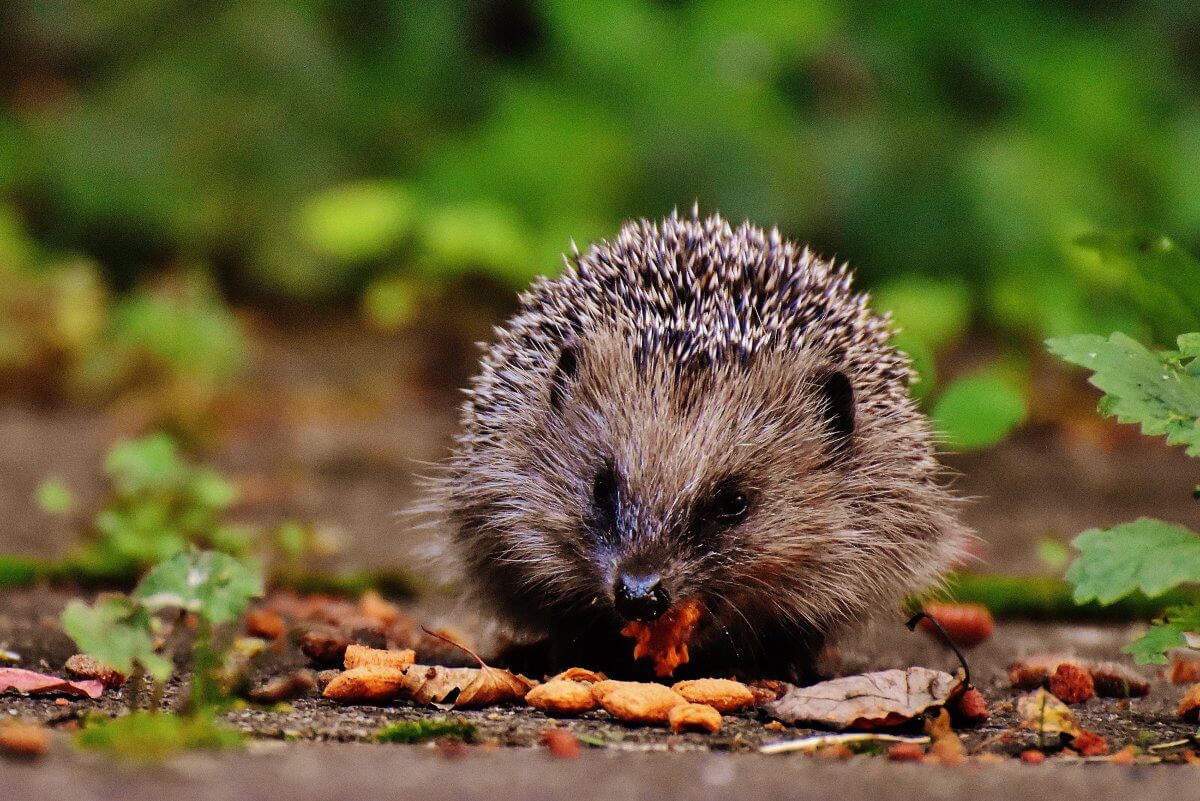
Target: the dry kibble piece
(1114, 680)
(694, 717)
(325, 645)
(1072, 684)
(1189, 705)
(1185, 671)
(366, 684)
(1088, 743)
(361, 656)
(579, 674)
(284, 688)
(969, 709)
(27, 740)
(372, 605)
(966, 624)
(1032, 757)
(265, 623)
(637, 702)
(561, 743)
(725, 695)
(1126, 756)
(561, 697)
(82, 666)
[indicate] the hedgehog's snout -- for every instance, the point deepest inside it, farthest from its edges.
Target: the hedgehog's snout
(640, 596)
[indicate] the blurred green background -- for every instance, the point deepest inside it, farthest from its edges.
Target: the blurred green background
(1001, 170)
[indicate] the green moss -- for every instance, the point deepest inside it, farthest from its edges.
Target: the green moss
(415, 731)
(152, 736)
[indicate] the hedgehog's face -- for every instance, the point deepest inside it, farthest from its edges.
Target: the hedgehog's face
(637, 483)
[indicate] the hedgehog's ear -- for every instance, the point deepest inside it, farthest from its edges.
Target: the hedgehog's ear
(837, 396)
(565, 372)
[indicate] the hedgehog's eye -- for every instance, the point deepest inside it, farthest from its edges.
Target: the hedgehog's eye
(604, 490)
(729, 505)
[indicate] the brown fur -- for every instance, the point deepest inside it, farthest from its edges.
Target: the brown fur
(696, 356)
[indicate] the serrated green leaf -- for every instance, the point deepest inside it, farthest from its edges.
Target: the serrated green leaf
(1146, 555)
(1152, 646)
(117, 632)
(214, 585)
(1155, 390)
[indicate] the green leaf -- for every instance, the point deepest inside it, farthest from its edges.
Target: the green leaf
(1154, 389)
(214, 585)
(1152, 646)
(931, 312)
(978, 411)
(117, 632)
(358, 221)
(54, 497)
(149, 464)
(1146, 555)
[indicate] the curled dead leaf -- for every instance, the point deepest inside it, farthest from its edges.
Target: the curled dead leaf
(28, 681)
(884, 699)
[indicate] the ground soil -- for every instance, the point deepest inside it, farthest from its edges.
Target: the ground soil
(333, 428)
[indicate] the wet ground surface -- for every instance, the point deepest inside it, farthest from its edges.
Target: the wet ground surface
(336, 433)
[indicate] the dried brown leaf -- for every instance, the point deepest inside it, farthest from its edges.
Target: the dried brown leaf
(883, 699)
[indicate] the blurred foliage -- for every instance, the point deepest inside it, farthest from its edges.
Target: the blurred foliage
(313, 152)
(931, 138)
(145, 736)
(159, 505)
(173, 343)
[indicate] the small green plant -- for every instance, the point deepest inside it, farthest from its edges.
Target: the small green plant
(149, 736)
(415, 731)
(159, 504)
(120, 631)
(1159, 390)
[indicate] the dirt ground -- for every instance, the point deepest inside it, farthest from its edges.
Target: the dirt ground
(338, 426)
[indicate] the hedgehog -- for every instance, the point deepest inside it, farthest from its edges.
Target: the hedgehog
(695, 412)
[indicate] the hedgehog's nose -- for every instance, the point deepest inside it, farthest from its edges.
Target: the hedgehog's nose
(641, 597)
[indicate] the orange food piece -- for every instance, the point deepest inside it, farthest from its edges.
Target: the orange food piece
(1032, 757)
(1072, 684)
(82, 666)
(725, 695)
(26, 740)
(265, 623)
(637, 702)
(966, 624)
(366, 684)
(694, 717)
(906, 752)
(1189, 705)
(561, 697)
(579, 674)
(373, 605)
(665, 640)
(1185, 671)
(561, 743)
(1126, 756)
(1088, 743)
(361, 656)
(970, 708)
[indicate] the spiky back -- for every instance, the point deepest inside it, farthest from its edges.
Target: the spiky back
(698, 293)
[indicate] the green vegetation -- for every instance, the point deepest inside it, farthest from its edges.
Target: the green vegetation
(120, 632)
(1160, 390)
(150, 736)
(415, 731)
